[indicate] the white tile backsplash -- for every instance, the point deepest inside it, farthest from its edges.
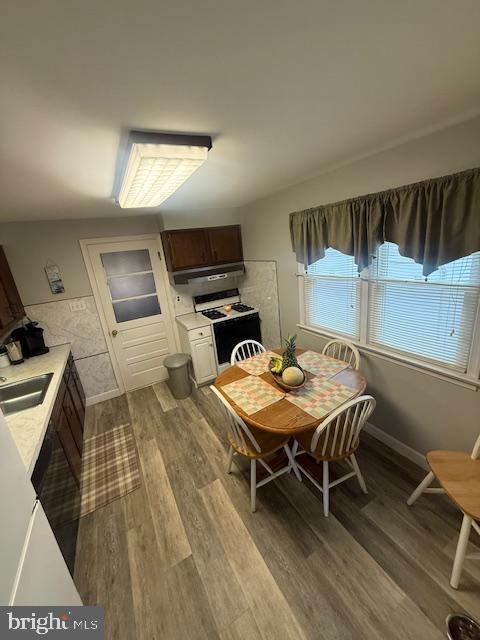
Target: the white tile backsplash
(61, 324)
(82, 329)
(259, 289)
(96, 374)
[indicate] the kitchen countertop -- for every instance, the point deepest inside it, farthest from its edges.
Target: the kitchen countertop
(28, 427)
(193, 321)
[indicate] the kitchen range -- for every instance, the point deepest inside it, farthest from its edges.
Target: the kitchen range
(220, 321)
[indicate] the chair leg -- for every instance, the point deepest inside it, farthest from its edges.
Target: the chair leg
(356, 468)
(253, 484)
(230, 460)
(292, 462)
(294, 453)
(424, 484)
(326, 488)
(461, 551)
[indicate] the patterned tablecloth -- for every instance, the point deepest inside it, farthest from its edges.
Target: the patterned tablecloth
(256, 365)
(321, 365)
(252, 394)
(319, 396)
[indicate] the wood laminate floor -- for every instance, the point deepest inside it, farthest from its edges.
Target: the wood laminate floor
(184, 558)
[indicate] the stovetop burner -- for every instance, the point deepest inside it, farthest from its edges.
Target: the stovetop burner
(213, 314)
(241, 308)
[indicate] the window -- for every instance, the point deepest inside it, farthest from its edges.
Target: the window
(429, 317)
(332, 294)
(395, 308)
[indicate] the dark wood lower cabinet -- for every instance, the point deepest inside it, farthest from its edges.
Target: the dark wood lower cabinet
(76, 427)
(69, 445)
(77, 394)
(68, 416)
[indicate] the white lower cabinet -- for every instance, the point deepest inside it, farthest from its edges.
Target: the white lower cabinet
(203, 358)
(199, 343)
(43, 577)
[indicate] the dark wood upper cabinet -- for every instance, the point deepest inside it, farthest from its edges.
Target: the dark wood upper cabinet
(185, 249)
(196, 248)
(225, 244)
(11, 307)
(6, 314)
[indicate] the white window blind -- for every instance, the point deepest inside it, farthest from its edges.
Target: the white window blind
(332, 294)
(431, 318)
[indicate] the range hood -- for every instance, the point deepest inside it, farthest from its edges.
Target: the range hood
(207, 274)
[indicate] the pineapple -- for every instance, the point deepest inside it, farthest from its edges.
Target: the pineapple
(289, 359)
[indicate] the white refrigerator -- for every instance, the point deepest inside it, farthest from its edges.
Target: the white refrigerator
(32, 568)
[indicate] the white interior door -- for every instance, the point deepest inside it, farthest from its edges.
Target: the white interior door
(130, 281)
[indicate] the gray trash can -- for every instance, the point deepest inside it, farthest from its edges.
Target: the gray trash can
(178, 366)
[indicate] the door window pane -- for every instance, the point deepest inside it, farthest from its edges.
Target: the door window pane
(137, 308)
(120, 262)
(131, 286)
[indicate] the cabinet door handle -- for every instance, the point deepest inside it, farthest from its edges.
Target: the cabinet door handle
(114, 333)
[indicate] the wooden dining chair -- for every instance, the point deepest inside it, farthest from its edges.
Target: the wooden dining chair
(336, 438)
(254, 444)
(343, 350)
(458, 474)
(246, 349)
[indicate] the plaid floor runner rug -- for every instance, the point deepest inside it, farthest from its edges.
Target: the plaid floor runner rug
(109, 468)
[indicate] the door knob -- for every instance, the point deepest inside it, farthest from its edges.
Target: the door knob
(114, 333)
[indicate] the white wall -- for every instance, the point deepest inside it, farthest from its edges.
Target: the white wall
(29, 245)
(416, 408)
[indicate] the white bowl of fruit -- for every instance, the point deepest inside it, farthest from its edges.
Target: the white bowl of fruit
(286, 371)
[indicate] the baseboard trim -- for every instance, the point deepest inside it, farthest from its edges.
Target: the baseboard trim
(401, 448)
(101, 397)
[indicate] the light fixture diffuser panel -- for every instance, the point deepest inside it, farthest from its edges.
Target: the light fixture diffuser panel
(155, 171)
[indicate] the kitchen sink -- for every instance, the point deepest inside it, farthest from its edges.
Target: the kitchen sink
(24, 394)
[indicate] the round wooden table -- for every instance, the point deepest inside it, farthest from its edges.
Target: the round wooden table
(284, 416)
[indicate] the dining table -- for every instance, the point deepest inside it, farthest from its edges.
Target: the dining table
(262, 403)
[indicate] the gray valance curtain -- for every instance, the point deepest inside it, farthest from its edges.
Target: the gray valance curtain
(433, 222)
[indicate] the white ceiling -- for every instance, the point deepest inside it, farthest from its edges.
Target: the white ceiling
(287, 89)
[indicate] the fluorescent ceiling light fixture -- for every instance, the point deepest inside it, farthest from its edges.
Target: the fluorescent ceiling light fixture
(158, 164)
